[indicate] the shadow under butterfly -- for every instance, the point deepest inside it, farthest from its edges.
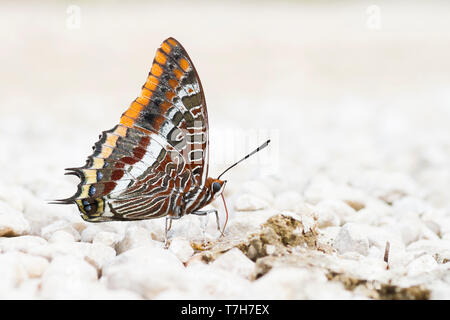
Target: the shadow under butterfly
(154, 163)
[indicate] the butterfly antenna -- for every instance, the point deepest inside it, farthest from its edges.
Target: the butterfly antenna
(265, 144)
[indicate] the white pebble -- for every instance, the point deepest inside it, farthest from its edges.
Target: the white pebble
(410, 205)
(34, 266)
(12, 273)
(135, 237)
(117, 227)
(444, 224)
(438, 248)
(333, 212)
(88, 234)
(218, 283)
(12, 221)
(297, 283)
(181, 248)
(14, 196)
(61, 225)
(249, 202)
(422, 265)
(27, 290)
(27, 244)
(410, 228)
(61, 236)
(307, 217)
(257, 189)
(106, 238)
(236, 262)
(288, 200)
(243, 223)
(67, 277)
(351, 238)
(145, 270)
(97, 254)
(328, 235)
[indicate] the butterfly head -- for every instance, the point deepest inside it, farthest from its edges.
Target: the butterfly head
(215, 187)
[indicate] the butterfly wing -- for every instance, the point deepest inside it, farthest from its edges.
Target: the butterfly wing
(143, 167)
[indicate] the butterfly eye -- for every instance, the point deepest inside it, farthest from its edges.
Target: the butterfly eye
(216, 187)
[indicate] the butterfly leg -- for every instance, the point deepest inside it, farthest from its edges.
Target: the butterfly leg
(167, 228)
(204, 213)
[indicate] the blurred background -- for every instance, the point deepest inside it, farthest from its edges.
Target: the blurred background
(351, 89)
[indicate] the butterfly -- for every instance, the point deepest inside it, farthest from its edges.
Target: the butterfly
(154, 163)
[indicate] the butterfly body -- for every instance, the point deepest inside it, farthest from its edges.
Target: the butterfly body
(154, 163)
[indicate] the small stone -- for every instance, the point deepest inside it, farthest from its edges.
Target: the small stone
(27, 290)
(444, 225)
(288, 200)
(333, 212)
(244, 223)
(308, 218)
(410, 205)
(297, 283)
(249, 202)
(95, 254)
(106, 238)
(195, 259)
(117, 227)
(433, 226)
(12, 273)
(67, 277)
(12, 221)
(351, 238)
(98, 254)
(410, 229)
(236, 262)
(328, 235)
(89, 233)
(439, 249)
(181, 248)
(207, 281)
(40, 214)
(146, 270)
(48, 231)
(61, 236)
(34, 266)
(257, 189)
(13, 196)
(136, 237)
(27, 244)
(422, 265)
(80, 225)
(319, 188)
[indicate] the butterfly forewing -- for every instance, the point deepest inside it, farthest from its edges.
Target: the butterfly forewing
(155, 161)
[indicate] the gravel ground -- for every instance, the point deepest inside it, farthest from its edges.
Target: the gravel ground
(354, 97)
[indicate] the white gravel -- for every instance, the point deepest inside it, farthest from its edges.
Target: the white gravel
(360, 153)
